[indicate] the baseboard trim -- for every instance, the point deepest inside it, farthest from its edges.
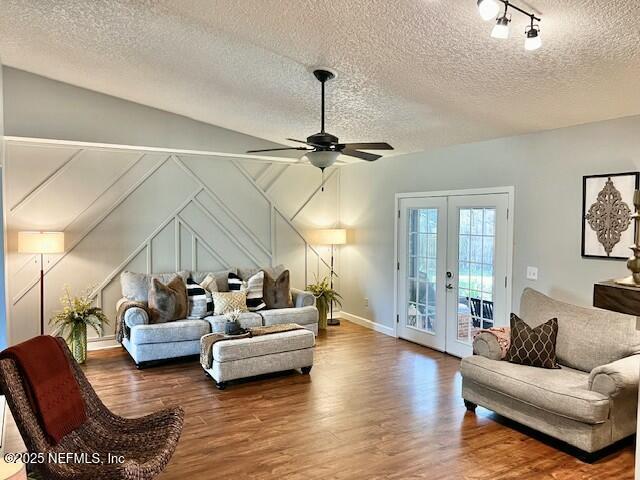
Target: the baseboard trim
(102, 343)
(365, 322)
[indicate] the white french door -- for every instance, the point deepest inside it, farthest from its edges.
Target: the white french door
(453, 268)
(422, 263)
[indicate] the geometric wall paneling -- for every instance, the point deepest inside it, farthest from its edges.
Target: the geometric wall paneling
(270, 176)
(186, 260)
(213, 236)
(291, 250)
(254, 168)
(163, 242)
(151, 211)
(233, 191)
(33, 166)
(57, 201)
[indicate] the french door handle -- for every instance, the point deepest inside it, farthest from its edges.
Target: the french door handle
(449, 286)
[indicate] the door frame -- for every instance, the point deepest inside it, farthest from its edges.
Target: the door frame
(509, 190)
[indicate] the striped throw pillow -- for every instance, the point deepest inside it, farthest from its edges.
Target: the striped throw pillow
(253, 286)
(200, 301)
(235, 283)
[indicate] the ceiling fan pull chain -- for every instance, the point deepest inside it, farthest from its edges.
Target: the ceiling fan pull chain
(322, 169)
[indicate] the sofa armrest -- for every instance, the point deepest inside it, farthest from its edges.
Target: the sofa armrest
(133, 315)
(486, 345)
(616, 378)
(302, 298)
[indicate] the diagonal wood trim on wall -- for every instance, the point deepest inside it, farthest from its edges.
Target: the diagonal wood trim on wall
(152, 211)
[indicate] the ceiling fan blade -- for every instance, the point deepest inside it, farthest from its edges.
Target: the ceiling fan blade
(369, 157)
(305, 142)
(369, 146)
(278, 149)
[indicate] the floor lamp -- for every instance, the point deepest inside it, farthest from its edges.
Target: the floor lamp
(41, 243)
(333, 237)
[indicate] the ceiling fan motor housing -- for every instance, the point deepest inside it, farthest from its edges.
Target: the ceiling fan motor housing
(322, 139)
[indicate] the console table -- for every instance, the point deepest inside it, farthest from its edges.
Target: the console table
(622, 299)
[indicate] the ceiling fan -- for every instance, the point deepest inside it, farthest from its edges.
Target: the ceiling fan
(324, 148)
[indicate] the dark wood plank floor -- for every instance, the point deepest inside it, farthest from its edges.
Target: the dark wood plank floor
(373, 408)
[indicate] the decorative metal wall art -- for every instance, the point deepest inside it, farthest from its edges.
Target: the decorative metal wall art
(607, 230)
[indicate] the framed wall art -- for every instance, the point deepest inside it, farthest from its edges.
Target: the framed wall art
(607, 206)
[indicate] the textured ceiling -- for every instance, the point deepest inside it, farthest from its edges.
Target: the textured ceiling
(415, 73)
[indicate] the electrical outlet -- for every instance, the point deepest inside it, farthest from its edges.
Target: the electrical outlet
(532, 273)
(366, 302)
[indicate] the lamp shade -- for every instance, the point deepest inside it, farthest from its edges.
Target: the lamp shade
(40, 242)
(329, 236)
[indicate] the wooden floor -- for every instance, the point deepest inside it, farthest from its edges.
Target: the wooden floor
(373, 408)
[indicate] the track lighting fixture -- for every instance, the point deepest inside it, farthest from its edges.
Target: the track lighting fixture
(501, 28)
(489, 9)
(533, 40)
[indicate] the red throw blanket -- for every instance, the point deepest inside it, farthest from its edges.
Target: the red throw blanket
(52, 387)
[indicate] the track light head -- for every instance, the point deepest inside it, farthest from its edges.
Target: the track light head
(533, 40)
(488, 9)
(501, 29)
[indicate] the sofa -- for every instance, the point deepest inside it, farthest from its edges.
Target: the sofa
(590, 402)
(148, 343)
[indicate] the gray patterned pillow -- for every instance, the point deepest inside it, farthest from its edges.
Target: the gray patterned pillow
(534, 347)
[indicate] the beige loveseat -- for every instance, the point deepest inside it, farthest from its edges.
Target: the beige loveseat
(590, 402)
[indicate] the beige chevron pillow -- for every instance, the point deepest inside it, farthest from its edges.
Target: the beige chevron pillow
(226, 302)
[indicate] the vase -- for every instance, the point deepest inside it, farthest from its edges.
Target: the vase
(79, 343)
(322, 314)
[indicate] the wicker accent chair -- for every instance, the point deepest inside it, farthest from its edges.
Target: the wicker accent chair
(146, 443)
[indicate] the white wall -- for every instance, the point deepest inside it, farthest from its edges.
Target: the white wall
(142, 210)
(3, 306)
(545, 168)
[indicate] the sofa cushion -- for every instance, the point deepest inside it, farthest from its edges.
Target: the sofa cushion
(301, 316)
(587, 337)
(563, 392)
(136, 286)
(231, 350)
(178, 331)
(246, 273)
(247, 320)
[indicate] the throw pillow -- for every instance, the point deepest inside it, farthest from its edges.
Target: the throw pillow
(227, 302)
(209, 283)
(276, 292)
(535, 347)
(255, 286)
(167, 302)
(235, 282)
(200, 300)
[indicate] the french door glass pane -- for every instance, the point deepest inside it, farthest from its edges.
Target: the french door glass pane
(476, 252)
(423, 251)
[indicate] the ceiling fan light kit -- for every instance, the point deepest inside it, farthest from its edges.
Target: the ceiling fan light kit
(488, 10)
(324, 148)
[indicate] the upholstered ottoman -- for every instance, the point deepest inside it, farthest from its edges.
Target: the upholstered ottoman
(248, 357)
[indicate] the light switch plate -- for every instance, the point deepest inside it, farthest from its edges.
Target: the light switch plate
(532, 273)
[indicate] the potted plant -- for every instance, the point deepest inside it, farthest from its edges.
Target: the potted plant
(324, 296)
(71, 322)
(232, 325)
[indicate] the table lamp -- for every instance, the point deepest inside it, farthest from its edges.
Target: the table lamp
(41, 243)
